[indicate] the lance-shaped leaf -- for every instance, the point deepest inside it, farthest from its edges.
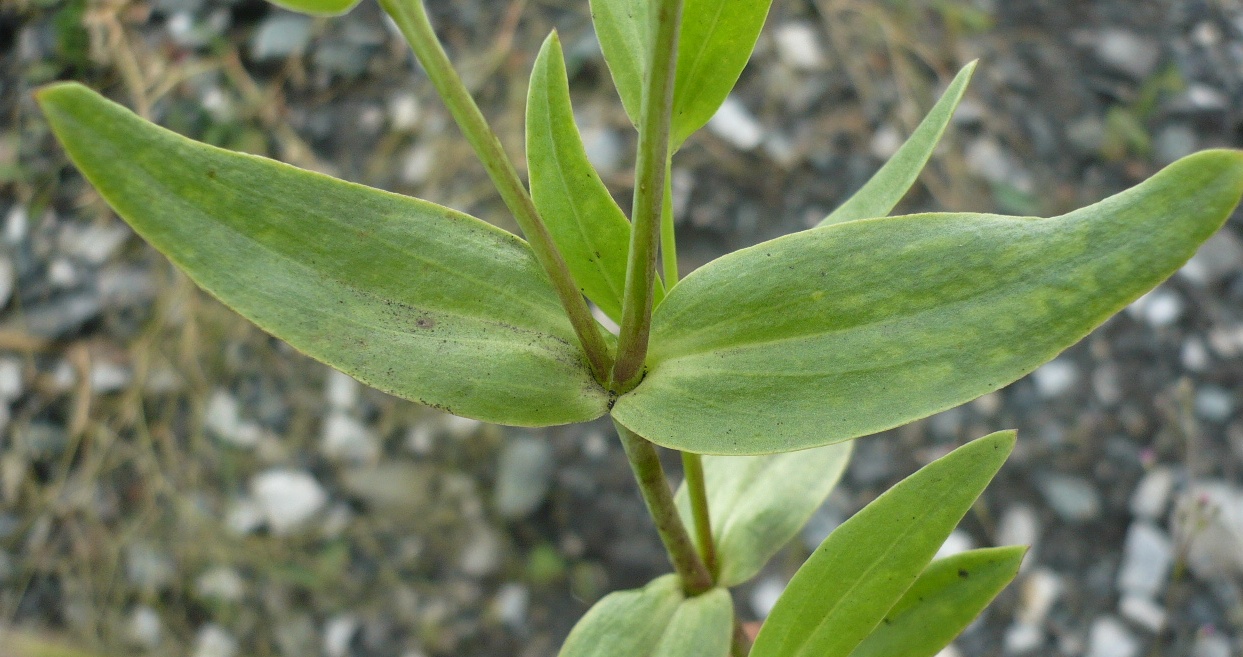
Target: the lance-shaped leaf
(758, 503)
(863, 568)
(654, 621)
(415, 299)
(318, 7)
(714, 45)
(949, 594)
(843, 331)
(888, 185)
(589, 228)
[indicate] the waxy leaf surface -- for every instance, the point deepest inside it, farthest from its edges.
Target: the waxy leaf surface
(654, 621)
(415, 299)
(317, 7)
(945, 599)
(888, 185)
(758, 503)
(843, 331)
(590, 230)
(714, 45)
(857, 575)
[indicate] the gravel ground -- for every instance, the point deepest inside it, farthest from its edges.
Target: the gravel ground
(175, 482)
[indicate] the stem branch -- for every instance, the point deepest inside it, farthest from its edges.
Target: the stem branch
(651, 161)
(693, 468)
(411, 18)
(659, 499)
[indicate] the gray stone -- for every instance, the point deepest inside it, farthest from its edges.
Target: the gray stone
(1194, 355)
(391, 486)
(346, 439)
(1056, 378)
(956, 543)
(223, 584)
(341, 58)
(1073, 498)
(147, 568)
(1214, 404)
(7, 278)
(1019, 525)
(125, 286)
(1143, 612)
(1217, 259)
(1087, 134)
(11, 383)
(482, 555)
(404, 112)
(109, 377)
(280, 35)
(1208, 519)
(1108, 637)
(245, 516)
(145, 627)
(798, 46)
(765, 595)
(288, 498)
(1152, 494)
(734, 123)
(1211, 644)
(1107, 383)
(341, 391)
(523, 476)
(95, 244)
(339, 631)
(1128, 52)
(223, 420)
(215, 641)
(510, 605)
(1174, 141)
(61, 315)
(1146, 559)
(1160, 308)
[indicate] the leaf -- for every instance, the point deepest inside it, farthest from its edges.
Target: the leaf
(415, 299)
(624, 29)
(317, 7)
(590, 230)
(758, 503)
(945, 599)
(863, 568)
(715, 43)
(839, 332)
(883, 191)
(654, 621)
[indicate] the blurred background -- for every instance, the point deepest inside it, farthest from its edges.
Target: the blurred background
(175, 482)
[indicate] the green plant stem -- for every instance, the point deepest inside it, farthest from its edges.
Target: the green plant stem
(741, 645)
(650, 165)
(693, 468)
(659, 499)
(411, 18)
(668, 241)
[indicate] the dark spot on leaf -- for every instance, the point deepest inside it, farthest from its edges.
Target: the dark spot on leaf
(425, 322)
(963, 574)
(211, 173)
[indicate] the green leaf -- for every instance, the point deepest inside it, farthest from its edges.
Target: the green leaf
(714, 46)
(758, 503)
(624, 29)
(654, 621)
(863, 568)
(590, 230)
(415, 299)
(317, 7)
(839, 332)
(883, 191)
(949, 594)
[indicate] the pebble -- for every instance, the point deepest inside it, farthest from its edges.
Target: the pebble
(144, 628)
(16, 224)
(1211, 644)
(885, 142)
(460, 428)
(346, 439)
(523, 477)
(390, 485)
(1022, 638)
(147, 568)
(765, 595)
(1217, 259)
(280, 35)
(1072, 498)
(223, 420)
(244, 517)
(1041, 588)
(1152, 494)
(605, 148)
(61, 274)
(418, 164)
(109, 377)
(956, 543)
(1087, 134)
(7, 278)
(798, 46)
(1143, 612)
(341, 391)
(404, 112)
(1147, 556)
(1127, 52)
(510, 605)
(61, 315)
(288, 498)
(1110, 638)
(1107, 383)
(1214, 404)
(734, 123)
(482, 556)
(214, 641)
(1160, 308)
(339, 631)
(95, 244)
(1208, 519)
(1019, 525)
(11, 386)
(1194, 355)
(223, 583)
(1174, 142)
(1055, 378)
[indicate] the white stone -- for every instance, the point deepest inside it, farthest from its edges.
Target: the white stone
(1041, 588)
(1214, 404)
(482, 556)
(1143, 612)
(109, 377)
(421, 439)
(798, 46)
(1022, 638)
(1073, 498)
(341, 390)
(1127, 52)
(1055, 378)
(222, 583)
(338, 633)
(734, 123)
(956, 543)
(1211, 644)
(511, 604)
(215, 641)
(223, 417)
(244, 517)
(10, 379)
(1147, 556)
(61, 274)
(461, 428)
(1152, 495)
(886, 142)
(1019, 525)
(765, 595)
(347, 439)
(16, 224)
(1194, 355)
(950, 651)
(1160, 308)
(96, 244)
(1208, 519)
(288, 498)
(145, 627)
(7, 278)
(418, 164)
(404, 112)
(1110, 638)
